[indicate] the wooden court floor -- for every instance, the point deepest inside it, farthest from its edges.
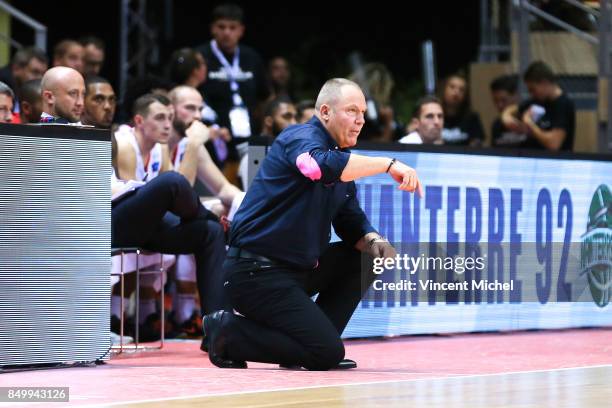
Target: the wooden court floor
(572, 387)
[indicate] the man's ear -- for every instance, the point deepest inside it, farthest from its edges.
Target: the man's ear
(138, 120)
(48, 97)
(26, 108)
(324, 111)
(268, 121)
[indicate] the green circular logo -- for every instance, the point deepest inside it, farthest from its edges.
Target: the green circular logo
(596, 251)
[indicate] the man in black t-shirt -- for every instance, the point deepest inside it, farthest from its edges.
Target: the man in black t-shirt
(504, 93)
(236, 83)
(549, 115)
(462, 126)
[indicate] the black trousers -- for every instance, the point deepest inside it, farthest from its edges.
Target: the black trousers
(281, 323)
(165, 215)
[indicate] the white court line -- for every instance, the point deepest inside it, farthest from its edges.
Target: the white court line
(450, 377)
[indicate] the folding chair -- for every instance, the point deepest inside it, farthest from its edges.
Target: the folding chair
(121, 274)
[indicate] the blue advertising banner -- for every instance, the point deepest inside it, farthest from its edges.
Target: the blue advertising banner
(542, 224)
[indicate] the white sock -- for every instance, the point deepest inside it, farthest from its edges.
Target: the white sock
(184, 306)
(116, 305)
(147, 307)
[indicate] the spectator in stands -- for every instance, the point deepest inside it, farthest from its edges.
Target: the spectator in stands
(94, 51)
(187, 67)
(236, 84)
(63, 93)
(279, 115)
(549, 115)
(305, 110)
(279, 78)
(100, 102)
(69, 53)
(28, 63)
(31, 101)
(378, 83)
(504, 93)
(143, 155)
(462, 126)
(7, 98)
(429, 120)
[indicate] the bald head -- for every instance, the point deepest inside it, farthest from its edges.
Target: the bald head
(181, 92)
(331, 92)
(188, 105)
(341, 107)
(63, 91)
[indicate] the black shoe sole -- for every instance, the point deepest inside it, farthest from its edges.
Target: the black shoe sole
(212, 354)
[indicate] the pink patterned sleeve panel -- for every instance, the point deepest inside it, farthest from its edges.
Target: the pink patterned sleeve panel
(308, 166)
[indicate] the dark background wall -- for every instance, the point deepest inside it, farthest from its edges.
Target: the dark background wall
(316, 37)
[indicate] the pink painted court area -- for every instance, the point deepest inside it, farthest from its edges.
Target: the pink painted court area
(181, 370)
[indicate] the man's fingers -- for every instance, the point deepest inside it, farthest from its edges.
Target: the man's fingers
(420, 189)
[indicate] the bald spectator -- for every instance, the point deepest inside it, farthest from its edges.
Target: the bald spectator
(69, 53)
(31, 101)
(63, 93)
(93, 55)
(7, 98)
(100, 102)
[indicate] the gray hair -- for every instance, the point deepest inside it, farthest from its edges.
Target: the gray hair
(6, 90)
(332, 90)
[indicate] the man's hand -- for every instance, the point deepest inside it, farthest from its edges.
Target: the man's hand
(381, 248)
(222, 133)
(407, 177)
(516, 126)
(197, 133)
(528, 118)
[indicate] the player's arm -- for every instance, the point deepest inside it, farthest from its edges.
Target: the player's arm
(126, 160)
(197, 134)
(166, 164)
(210, 175)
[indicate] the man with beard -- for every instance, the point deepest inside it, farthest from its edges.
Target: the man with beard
(186, 145)
(428, 121)
(279, 114)
(191, 159)
(63, 93)
(30, 102)
(100, 102)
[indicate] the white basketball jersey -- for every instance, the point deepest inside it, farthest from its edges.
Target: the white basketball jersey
(151, 168)
(179, 153)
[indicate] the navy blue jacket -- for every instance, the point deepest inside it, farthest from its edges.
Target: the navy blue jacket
(295, 198)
